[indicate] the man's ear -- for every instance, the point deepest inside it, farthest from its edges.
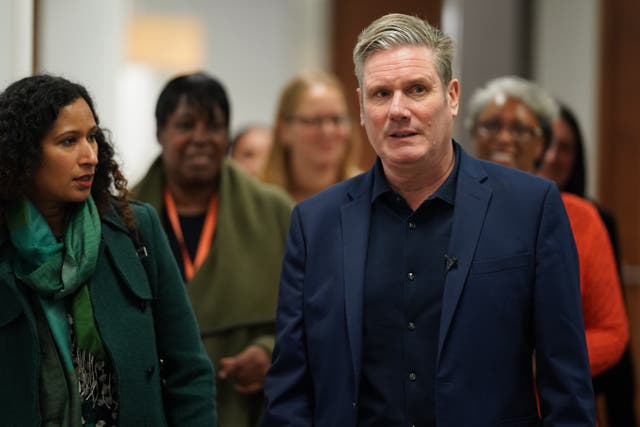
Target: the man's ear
(453, 96)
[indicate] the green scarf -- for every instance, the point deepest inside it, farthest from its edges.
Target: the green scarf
(57, 270)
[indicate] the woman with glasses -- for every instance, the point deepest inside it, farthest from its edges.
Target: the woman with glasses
(510, 120)
(315, 140)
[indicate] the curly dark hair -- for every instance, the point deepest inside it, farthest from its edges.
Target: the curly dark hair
(29, 108)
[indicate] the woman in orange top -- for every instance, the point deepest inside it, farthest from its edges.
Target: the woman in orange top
(602, 309)
(564, 162)
(510, 120)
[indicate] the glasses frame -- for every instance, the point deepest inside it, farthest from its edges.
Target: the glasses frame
(318, 122)
(518, 131)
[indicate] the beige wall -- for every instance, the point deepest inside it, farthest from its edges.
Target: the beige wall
(255, 46)
(16, 40)
(565, 61)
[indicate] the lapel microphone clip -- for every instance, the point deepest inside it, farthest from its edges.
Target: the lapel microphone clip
(451, 262)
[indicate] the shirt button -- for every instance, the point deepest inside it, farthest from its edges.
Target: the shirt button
(412, 376)
(412, 326)
(412, 225)
(411, 276)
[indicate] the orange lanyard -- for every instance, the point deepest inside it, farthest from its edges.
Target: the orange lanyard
(206, 236)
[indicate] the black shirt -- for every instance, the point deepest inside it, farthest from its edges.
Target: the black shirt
(191, 228)
(404, 281)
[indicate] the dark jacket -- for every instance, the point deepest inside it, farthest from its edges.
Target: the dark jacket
(137, 331)
(513, 290)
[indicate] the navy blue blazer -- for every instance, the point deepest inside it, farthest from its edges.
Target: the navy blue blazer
(514, 293)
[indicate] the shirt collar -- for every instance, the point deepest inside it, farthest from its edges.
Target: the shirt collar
(380, 183)
(446, 192)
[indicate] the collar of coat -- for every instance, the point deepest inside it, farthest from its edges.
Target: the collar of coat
(238, 282)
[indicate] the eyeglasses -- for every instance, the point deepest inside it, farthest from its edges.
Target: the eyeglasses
(319, 121)
(517, 131)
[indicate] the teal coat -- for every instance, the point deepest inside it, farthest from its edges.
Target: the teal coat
(234, 293)
(132, 326)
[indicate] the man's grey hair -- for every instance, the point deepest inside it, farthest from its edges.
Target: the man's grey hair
(530, 94)
(396, 29)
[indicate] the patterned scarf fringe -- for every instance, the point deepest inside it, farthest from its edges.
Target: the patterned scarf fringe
(91, 373)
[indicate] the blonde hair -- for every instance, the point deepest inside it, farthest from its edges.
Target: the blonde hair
(278, 170)
(396, 29)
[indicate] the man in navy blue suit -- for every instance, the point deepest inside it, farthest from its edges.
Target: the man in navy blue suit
(434, 289)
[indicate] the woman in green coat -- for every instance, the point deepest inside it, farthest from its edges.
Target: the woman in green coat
(227, 232)
(95, 325)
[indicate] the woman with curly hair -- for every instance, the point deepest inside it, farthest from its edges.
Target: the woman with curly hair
(95, 324)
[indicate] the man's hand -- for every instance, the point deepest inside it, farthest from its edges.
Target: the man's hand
(247, 369)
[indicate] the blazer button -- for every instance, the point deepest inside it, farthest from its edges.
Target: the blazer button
(142, 304)
(150, 370)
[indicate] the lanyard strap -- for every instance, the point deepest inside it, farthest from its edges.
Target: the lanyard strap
(206, 236)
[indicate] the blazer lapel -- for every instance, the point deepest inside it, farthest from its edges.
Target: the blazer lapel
(471, 203)
(355, 216)
(119, 247)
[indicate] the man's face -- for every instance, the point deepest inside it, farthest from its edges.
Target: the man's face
(406, 111)
(508, 132)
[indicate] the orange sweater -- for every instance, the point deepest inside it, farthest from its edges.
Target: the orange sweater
(605, 321)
